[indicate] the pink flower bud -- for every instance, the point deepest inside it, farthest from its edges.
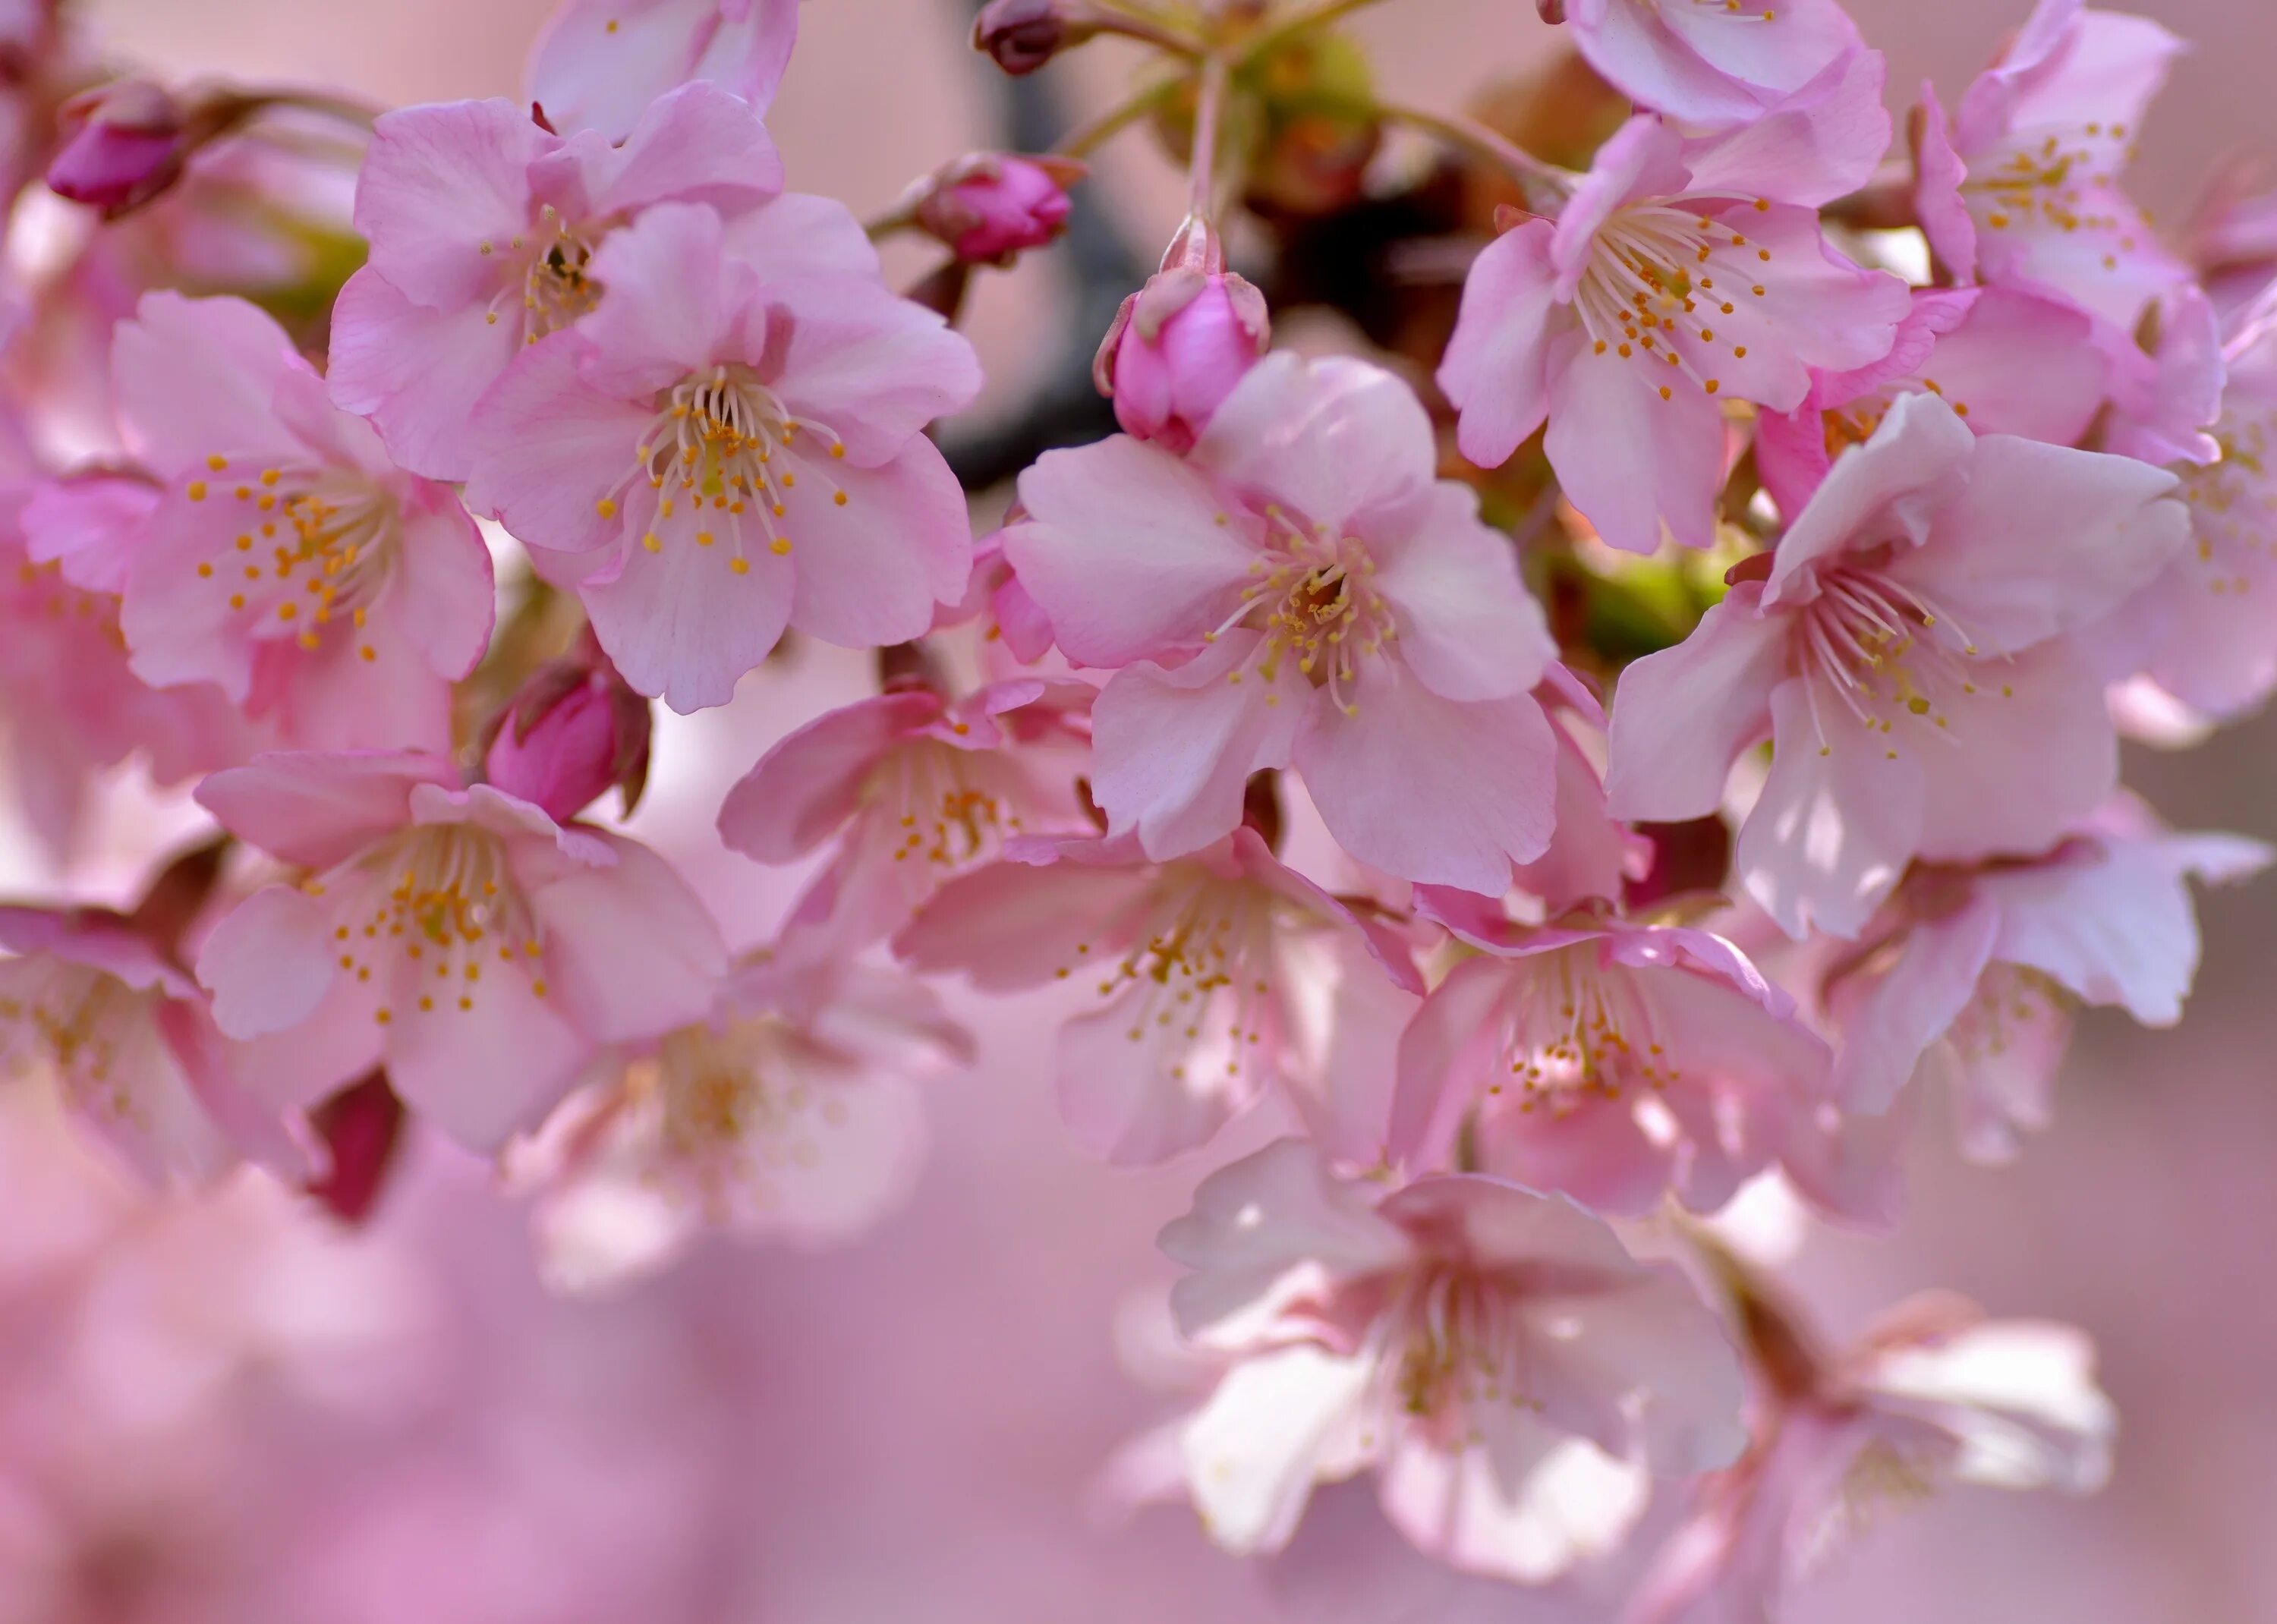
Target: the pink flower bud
(1024, 34)
(1178, 347)
(989, 206)
(575, 732)
(1552, 10)
(124, 144)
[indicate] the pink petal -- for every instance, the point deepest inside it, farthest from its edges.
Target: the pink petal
(549, 448)
(1945, 220)
(866, 366)
(634, 952)
(1683, 716)
(671, 302)
(695, 144)
(1630, 44)
(197, 378)
(808, 786)
(1123, 551)
(319, 810)
(440, 183)
(1593, 1152)
(1521, 1502)
(417, 371)
(447, 597)
(1891, 487)
(873, 570)
(2021, 365)
(487, 1064)
(601, 63)
(1173, 748)
(1837, 819)
(1819, 143)
(91, 528)
(1496, 369)
(1467, 627)
(336, 698)
(1331, 437)
(1429, 789)
(1138, 1092)
(799, 234)
(1272, 1426)
(1638, 467)
(1012, 925)
(2018, 761)
(1909, 1008)
(1781, 48)
(268, 963)
(1256, 1223)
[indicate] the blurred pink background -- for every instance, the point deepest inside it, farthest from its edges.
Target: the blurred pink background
(906, 1432)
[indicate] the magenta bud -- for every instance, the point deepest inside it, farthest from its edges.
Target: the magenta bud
(1552, 10)
(1177, 349)
(124, 144)
(991, 206)
(1022, 35)
(572, 733)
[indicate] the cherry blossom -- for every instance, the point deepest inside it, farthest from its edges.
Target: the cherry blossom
(1982, 968)
(730, 444)
(127, 1039)
(601, 64)
(288, 562)
(916, 789)
(1506, 1369)
(2021, 188)
(457, 936)
(1677, 276)
(1299, 591)
(792, 1112)
(1707, 62)
(1218, 975)
(1612, 1062)
(1176, 350)
(1910, 651)
(483, 227)
(1935, 1394)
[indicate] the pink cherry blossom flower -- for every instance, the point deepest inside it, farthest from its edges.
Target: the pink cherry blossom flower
(916, 789)
(1911, 652)
(1218, 975)
(2008, 362)
(600, 63)
(792, 1113)
(483, 228)
(1590, 856)
(2022, 187)
(1934, 1394)
(2205, 632)
(289, 562)
(1612, 1062)
(1299, 589)
(1710, 64)
(1677, 275)
(1982, 968)
(126, 1037)
(1504, 1366)
(73, 705)
(730, 442)
(459, 937)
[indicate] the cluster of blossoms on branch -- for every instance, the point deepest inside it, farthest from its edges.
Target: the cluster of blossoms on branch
(1372, 736)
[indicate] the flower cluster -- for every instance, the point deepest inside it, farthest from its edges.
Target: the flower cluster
(1302, 727)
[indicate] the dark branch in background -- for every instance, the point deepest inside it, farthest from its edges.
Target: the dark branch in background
(1099, 266)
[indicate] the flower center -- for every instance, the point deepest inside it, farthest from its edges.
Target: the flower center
(2233, 509)
(727, 1129)
(74, 1019)
(549, 289)
(1658, 274)
(1574, 1029)
(2064, 180)
(1313, 599)
(949, 816)
(314, 546)
(1459, 1341)
(724, 453)
(1886, 653)
(434, 905)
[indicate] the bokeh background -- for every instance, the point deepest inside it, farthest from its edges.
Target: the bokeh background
(908, 1432)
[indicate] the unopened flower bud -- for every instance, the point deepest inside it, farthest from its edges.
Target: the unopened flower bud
(1022, 35)
(1177, 349)
(124, 144)
(990, 206)
(575, 732)
(1552, 10)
